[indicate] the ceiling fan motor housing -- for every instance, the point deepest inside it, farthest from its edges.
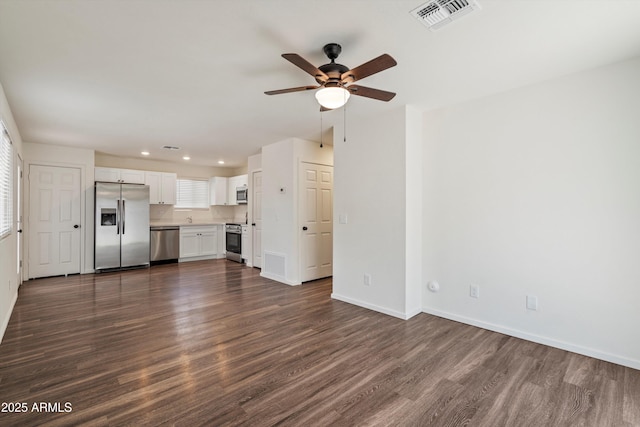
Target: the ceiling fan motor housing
(333, 71)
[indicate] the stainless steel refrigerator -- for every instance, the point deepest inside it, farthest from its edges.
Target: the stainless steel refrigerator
(122, 225)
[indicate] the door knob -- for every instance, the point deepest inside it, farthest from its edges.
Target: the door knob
(304, 228)
(20, 231)
(76, 226)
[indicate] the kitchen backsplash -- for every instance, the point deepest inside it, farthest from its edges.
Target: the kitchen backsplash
(168, 213)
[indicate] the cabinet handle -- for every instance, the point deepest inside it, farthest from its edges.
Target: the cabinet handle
(304, 228)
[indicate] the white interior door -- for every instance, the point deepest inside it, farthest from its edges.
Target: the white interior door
(256, 223)
(54, 221)
(316, 221)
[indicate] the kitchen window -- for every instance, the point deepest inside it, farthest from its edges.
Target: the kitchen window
(192, 193)
(6, 183)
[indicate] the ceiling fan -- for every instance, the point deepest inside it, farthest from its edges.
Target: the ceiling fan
(335, 81)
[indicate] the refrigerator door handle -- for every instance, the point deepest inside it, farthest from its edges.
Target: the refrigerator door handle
(123, 217)
(118, 216)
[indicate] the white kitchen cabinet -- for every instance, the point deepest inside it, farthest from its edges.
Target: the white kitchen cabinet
(209, 241)
(234, 183)
(245, 242)
(218, 189)
(200, 242)
(129, 176)
(189, 244)
(223, 189)
(162, 187)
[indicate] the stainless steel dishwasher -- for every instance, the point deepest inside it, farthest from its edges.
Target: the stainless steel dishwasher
(164, 244)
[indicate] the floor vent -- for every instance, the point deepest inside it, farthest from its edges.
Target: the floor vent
(437, 13)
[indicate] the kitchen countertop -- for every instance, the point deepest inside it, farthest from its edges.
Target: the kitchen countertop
(183, 223)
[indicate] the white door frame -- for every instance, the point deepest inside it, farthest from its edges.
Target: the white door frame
(300, 220)
(83, 222)
(251, 208)
(19, 218)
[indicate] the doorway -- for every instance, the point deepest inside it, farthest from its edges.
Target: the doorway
(54, 221)
(19, 205)
(256, 223)
(316, 221)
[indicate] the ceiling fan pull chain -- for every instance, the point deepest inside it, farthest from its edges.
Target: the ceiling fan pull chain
(344, 124)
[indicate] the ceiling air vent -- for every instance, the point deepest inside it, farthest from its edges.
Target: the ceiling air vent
(170, 147)
(438, 13)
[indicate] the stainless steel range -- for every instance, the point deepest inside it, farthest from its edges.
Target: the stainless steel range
(234, 242)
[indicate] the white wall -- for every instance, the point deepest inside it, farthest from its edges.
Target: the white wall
(280, 231)
(383, 218)
(9, 278)
(56, 155)
(536, 191)
(413, 229)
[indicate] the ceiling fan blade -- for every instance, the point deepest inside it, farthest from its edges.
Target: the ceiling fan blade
(376, 65)
(291, 89)
(381, 95)
(305, 65)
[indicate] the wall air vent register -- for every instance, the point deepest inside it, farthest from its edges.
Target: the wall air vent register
(438, 13)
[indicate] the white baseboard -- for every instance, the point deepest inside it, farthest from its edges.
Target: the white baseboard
(585, 351)
(276, 278)
(379, 309)
(5, 321)
(200, 258)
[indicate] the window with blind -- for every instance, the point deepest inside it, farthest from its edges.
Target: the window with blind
(192, 193)
(6, 183)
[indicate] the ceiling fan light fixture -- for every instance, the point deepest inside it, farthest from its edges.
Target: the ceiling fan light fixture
(332, 97)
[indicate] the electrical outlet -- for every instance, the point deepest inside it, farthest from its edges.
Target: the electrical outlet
(474, 291)
(532, 302)
(367, 280)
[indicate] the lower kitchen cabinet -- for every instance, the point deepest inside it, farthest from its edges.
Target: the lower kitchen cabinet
(200, 242)
(245, 242)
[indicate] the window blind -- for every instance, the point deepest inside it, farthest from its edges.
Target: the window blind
(192, 193)
(6, 183)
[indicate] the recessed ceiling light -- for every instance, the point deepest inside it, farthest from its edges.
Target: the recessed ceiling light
(144, 153)
(221, 162)
(186, 158)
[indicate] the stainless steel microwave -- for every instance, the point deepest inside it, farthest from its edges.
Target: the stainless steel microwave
(241, 195)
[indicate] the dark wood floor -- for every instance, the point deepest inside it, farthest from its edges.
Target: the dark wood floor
(213, 343)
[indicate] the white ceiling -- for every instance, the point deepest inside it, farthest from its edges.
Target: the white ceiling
(124, 76)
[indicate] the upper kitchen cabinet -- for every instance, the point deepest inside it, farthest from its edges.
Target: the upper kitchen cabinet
(162, 187)
(218, 190)
(128, 176)
(234, 183)
(223, 189)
